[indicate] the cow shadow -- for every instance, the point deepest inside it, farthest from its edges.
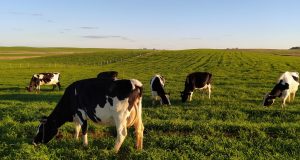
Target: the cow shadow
(14, 89)
(30, 97)
(147, 102)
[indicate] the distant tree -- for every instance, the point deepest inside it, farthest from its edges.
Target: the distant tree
(295, 48)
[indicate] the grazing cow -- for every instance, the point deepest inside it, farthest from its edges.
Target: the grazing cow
(44, 79)
(196, 80)
(157, 84)
(103, 101)
(108, 75)
(286, 88)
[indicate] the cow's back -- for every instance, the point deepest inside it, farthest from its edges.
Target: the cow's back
(198, 79)
(291, 79)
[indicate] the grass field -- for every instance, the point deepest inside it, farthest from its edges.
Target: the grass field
(231, 125)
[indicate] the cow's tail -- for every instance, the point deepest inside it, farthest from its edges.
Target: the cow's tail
(58, 76)
(137, 84)
(209, 78)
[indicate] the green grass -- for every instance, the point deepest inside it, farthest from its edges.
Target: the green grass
(231, 125)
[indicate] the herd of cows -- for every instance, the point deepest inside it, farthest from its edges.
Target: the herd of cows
(109, 100)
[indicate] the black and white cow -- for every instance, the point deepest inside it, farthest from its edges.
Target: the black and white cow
(286, 88)
(157, 84)
(196, 80)
(103, 101)
(108, 75)
(40, 79)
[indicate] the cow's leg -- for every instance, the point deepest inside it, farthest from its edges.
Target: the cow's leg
(209, 90)
(293, 95)
(37, 89)
(289, 97)
(283, 102)
(54, 86)
(121, 126)
(58, 84)
(77, 129)
(139, 133)
(84, 133)
(139, 127)
(190, 96)
(153, 100)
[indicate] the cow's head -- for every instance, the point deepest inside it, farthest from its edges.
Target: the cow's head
(269, 98)
(184, 96)
(33, 83)
(165, 99)
(45, 132)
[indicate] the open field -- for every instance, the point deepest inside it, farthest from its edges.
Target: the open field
(231, 125)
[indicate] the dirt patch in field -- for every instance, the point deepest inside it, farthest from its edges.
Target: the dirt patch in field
(28, 52)
(296, 55)
(16, 57)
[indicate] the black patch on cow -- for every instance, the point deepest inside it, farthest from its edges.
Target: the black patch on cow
(279, 88)
(195, 80)
(79, 114)
(46, 77)
(112, 75)
(296, 78)
(276, 92)
(84, 127)
(157, 86)
(121, 89)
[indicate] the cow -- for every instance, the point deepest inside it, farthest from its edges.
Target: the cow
(157, 84)
(103, 101)
(285, 89)
(40, 79)
(108, 75)
(196, 80)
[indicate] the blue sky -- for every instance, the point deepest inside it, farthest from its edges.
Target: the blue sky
(161, 24)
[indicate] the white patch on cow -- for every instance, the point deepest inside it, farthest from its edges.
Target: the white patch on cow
(78, 119)
(135, 82)
(288, 94)
(119, 108)
(206, 87)
(85, 140)
(38, 128)
(36, 76)
(105, 114)
(161, 80)
(54, 79)
(295, 74)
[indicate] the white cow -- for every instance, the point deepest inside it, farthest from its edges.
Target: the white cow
(40, 79)
(286, 88)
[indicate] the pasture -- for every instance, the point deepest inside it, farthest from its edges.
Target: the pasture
(231, 125)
